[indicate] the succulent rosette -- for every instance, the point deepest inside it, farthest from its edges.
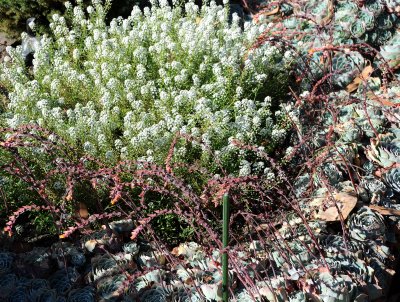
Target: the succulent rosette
(328, 172)
(43, 295)
(85, 294)
(63, 280)
(374, 187)
(391, 51)
(346, 7)
(155, 294)
(122, 226)
(341, 35)
(385, 21)
(393, 6)
(77, 258)
(343, 18)
(384, 151)
(302, 184)
(186, 294)
(18, 295)
(367, 18)
(383, 38)
(357, 29)
(111, 287)
(131, 248)
(6, 261)
(332, 288)
(392, 178)
(366, 225)
(346, 67)
(375, 7)
(353, 133)
(335, 245)
(8, 283)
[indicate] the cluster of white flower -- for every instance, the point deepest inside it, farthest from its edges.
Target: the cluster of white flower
(123, 90)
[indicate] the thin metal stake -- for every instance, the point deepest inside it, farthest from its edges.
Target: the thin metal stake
(225, 241)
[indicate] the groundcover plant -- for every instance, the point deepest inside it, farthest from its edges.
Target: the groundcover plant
(293, 111)
(123, 90)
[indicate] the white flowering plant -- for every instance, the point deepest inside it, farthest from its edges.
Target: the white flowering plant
(123, 90)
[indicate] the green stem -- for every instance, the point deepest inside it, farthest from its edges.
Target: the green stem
(225, 241)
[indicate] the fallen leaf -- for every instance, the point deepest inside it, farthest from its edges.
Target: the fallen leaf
(83, 211)
(345, 202)
(365, 74)
(272, 12)
(381, 100)
(385, 211)
(90, 245)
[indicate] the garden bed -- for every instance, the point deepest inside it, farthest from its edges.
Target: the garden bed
(120, 139)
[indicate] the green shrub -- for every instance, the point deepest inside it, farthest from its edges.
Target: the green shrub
(125, 90)
(14, 13)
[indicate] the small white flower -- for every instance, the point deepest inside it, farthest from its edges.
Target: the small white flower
(90, 9)
(76, 54)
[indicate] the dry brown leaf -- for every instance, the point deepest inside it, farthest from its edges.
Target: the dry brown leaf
(272, 12)
(345, 202)
(384, 211)
(90, 245)
(365, 74)
(83, 211)
(382, 101)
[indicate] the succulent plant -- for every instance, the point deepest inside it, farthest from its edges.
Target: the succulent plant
(357, 29)
(244, 295)
(155, 294)
(150, 259)
(297, 296)
(18, 295)
(368, 167)
(334, 288)
(374, 187)
(368, 18)
(6, 261)
(146, 280)
(379, 251)
(346, 67)
(392, 178)
(122, 226)
(273, 290)
(384, 150)
(212, 292)
(111, 287)
(85, 294)
(8, 283)
(393, 6)
(43, 295)
(61, 299)
(375, 6)
(106, 265)
(390, 52)
(66, 250)
(63, 280)
(335, 245)
(185, 294)
(366, 224)
(302, 184)
(329, 172)
(77, 258)
(381, 273)
(37, 284)
(349, 132)
(131, 248)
